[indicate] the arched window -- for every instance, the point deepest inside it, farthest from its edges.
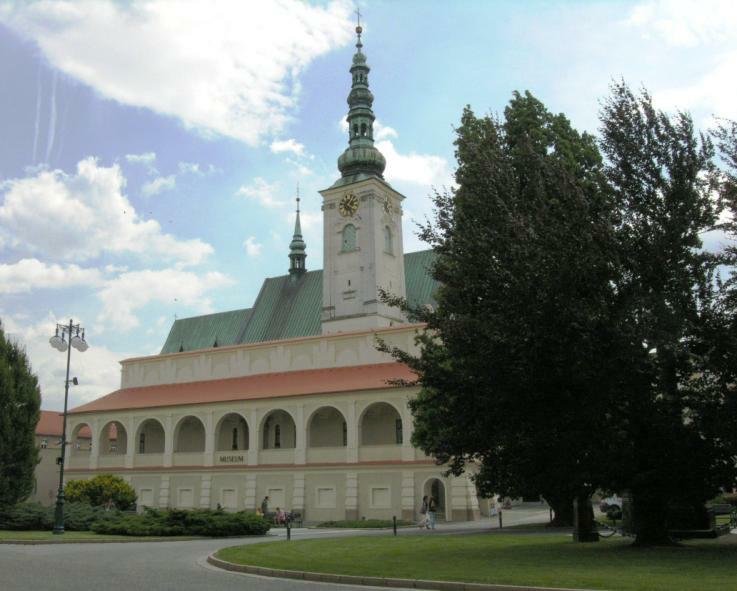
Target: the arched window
(349, 238)
(363, 129)
(355, 130)
(388, 244)
(277, 437)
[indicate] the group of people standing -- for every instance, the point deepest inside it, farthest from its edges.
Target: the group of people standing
(428, 512)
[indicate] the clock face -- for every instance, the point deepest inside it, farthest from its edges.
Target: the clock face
(348, 205)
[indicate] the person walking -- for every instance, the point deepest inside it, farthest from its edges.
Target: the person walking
(423, 513)
(432, 509)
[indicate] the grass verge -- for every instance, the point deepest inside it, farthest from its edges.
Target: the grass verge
(526, 559)
(75, 536)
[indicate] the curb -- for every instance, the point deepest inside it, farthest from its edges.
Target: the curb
(373, 581)
(91, 541)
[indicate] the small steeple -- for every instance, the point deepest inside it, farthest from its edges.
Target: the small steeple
(361, 157)
(297, 247)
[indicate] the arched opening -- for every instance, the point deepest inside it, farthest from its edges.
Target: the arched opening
(435, 488)
(388, 242)
(349, 238)
(150, 437)
(355, 130)
(231, 433)
(113, 439)
(327, 428)
(278, 431)
(189, 435)
(81, 440)
(381, 424)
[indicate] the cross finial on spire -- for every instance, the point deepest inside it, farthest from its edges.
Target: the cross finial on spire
(298, 199)
(359, 29)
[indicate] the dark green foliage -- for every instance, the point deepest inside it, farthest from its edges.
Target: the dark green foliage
(34, 516)
(677, 413)
(514, 380)
(363, 523)
(179, 522)
(20, 401)
(104, 490)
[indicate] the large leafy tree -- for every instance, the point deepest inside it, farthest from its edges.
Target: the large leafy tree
(674, 454)
(511, 372)
(20, 400)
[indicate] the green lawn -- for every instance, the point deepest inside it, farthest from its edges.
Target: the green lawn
(524, 559)
(74, 536)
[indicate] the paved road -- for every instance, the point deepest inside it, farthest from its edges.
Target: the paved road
(176, 566)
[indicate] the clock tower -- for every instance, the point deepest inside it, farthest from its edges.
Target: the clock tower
(362, 221)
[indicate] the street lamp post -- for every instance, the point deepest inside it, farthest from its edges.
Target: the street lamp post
(58, 341)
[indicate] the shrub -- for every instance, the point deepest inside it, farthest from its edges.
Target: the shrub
(178, 522)
(34, 516)
(103, 490)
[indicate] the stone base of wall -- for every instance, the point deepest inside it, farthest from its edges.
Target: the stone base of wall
(465, 514)
(351, 514)
(408, 515)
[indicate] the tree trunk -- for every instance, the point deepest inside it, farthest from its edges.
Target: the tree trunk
(584, 527)
(562, 511)
(650, 516)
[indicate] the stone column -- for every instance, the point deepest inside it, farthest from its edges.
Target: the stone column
(253, 434)
(164, 491)
(351, 495)
(300, 452)
(249, 497)
(352, 433)
(168, 441)
(205, 486)
(298, 494)
(408, 496)
(408, 452)
(209, 438)
(463, 502)
(130, 430)
(95, 443)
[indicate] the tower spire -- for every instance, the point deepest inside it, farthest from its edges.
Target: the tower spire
(361, 159)
(297, 246)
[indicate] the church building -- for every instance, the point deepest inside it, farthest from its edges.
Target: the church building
(289, 398)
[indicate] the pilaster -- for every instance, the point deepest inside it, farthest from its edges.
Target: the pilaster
(351, 495)
(408, 496)
(209, 438)
(249, 496)
(352, 433)
(298, 493)
(205, 490)
(253, 435)
(168, 440)
(164, 491)
(300, 452)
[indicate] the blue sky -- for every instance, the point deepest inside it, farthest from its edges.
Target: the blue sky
(151, 150)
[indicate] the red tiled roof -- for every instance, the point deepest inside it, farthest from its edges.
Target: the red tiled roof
(269, 385)
(51, 423)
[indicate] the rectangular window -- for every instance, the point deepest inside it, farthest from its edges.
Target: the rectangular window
(398, 430)
(345, 434)
(142, 444)
(325, 497)
(185, 498)
(381, 497)
(228, 498)
(277, 436)
(146, 497)
(234, 444)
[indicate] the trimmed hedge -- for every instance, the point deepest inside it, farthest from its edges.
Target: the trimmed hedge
(178, 522)
(34, 516)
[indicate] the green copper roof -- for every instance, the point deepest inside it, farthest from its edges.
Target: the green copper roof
(287, 306)
(202, 332)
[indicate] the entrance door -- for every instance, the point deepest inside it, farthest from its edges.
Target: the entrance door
(436, 489)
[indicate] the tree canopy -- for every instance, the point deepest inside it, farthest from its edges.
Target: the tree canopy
(20, 401)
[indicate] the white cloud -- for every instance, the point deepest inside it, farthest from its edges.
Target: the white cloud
(262, 192)
(159, 185)
(420, 169)
(29, 274)
(381, 131)
(237, 63)
(147, 159)
(290, 145)
(300, 168)
(97, 368)
(698, 27)
(252, 246)
(79, 216)
(129, 292)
